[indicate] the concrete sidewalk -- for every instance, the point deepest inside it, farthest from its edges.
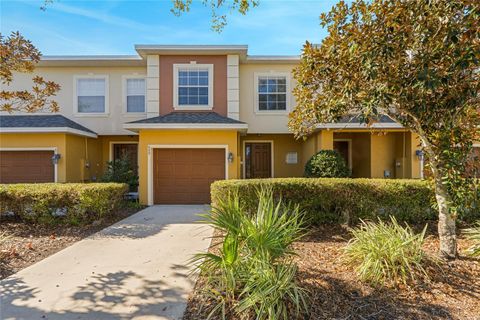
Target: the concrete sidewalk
(134, 269)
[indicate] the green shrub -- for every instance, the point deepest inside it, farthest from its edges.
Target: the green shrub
(55, 202)
(327, 164)
(120, 171)
(386, 252)
(473, 234)
(253, 275)
(337, 200)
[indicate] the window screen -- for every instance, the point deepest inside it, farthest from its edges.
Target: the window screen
(91, 95)
(135, 95)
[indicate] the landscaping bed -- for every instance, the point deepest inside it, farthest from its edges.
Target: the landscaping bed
(336, 292)
(29, 243)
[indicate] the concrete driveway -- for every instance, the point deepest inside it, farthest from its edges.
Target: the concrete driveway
(134, 269)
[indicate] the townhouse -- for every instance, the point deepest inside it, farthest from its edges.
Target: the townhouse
(185, 116)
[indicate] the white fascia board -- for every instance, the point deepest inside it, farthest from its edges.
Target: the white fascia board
(48, 130)
(91, 57)
(98, 60)
(191, 49)
(272, 59)
(187, 126)
(359, 126)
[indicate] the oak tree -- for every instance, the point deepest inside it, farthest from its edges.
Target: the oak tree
(416, 61)
(18, 54)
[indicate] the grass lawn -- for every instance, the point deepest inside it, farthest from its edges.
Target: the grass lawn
(29, 243)
(453, 291)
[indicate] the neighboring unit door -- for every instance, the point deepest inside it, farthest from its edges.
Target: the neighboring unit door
(129, 150)
(184, 176)
(26, 167)
(258, 160)
(342, 148)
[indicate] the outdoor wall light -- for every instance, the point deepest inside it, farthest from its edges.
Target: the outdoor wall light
(56, 157)
(230, 157)
(419, 154)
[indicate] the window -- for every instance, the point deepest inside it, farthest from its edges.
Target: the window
(135, 95)
(272, 92)
(91, 95)
(193, 86)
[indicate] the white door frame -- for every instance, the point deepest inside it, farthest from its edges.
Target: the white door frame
(272, 155)
(151, 147)
(54, 149)
(350, 164)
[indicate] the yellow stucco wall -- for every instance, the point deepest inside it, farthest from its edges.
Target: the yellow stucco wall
(361, 155)
(183, 138)
(282, 144)
(39, 140)
(383, 154)
(84, 159)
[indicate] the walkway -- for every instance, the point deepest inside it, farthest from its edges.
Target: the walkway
(134, 269)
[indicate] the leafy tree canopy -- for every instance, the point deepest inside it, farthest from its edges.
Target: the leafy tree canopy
(19, 55)
(416, 61)
(218, 7)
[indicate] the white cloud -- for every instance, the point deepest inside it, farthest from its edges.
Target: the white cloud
(99, 16)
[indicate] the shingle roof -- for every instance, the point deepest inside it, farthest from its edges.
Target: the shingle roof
(355, 119)
(190, 117)
(40, 121)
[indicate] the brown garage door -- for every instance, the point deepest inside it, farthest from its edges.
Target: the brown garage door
(183, 176)
(26, 166)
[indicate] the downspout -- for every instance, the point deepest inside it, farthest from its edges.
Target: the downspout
(404, 156)
(87, 164)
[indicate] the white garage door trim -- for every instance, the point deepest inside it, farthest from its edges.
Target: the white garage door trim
(150, 148)
(54, 149)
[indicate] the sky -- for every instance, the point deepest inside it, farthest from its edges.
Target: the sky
(275, 27)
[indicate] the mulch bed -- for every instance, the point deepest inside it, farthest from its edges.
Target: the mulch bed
(30, 243)
(336, 293)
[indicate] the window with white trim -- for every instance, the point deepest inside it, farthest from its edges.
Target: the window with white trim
(193, 86)
(91, 95)
(135, 95)
(272, 92)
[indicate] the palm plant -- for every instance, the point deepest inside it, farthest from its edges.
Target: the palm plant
(253, 273)
(473, 234)
(386, 252)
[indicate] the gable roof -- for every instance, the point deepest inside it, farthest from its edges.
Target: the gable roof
(42, 123)
(187, 120)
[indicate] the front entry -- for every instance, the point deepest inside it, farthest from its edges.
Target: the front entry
(258, 160)
(184, 176)
(343, 148)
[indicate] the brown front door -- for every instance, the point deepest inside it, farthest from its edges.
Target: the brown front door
(26, 167)
(129, 150)
(342, 148)
(258, 160)
(184, 176)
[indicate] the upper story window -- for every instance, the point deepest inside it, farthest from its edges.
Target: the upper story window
(272, 92)
(193, 86)
(91, 94)
(135, 94)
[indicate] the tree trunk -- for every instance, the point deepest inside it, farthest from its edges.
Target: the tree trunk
(446, 222)
(446, 218)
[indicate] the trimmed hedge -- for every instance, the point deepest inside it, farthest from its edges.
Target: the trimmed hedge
(74, 203)
(340, 199)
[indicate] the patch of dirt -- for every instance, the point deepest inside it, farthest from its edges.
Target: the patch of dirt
(28, 243)
(453, 291)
